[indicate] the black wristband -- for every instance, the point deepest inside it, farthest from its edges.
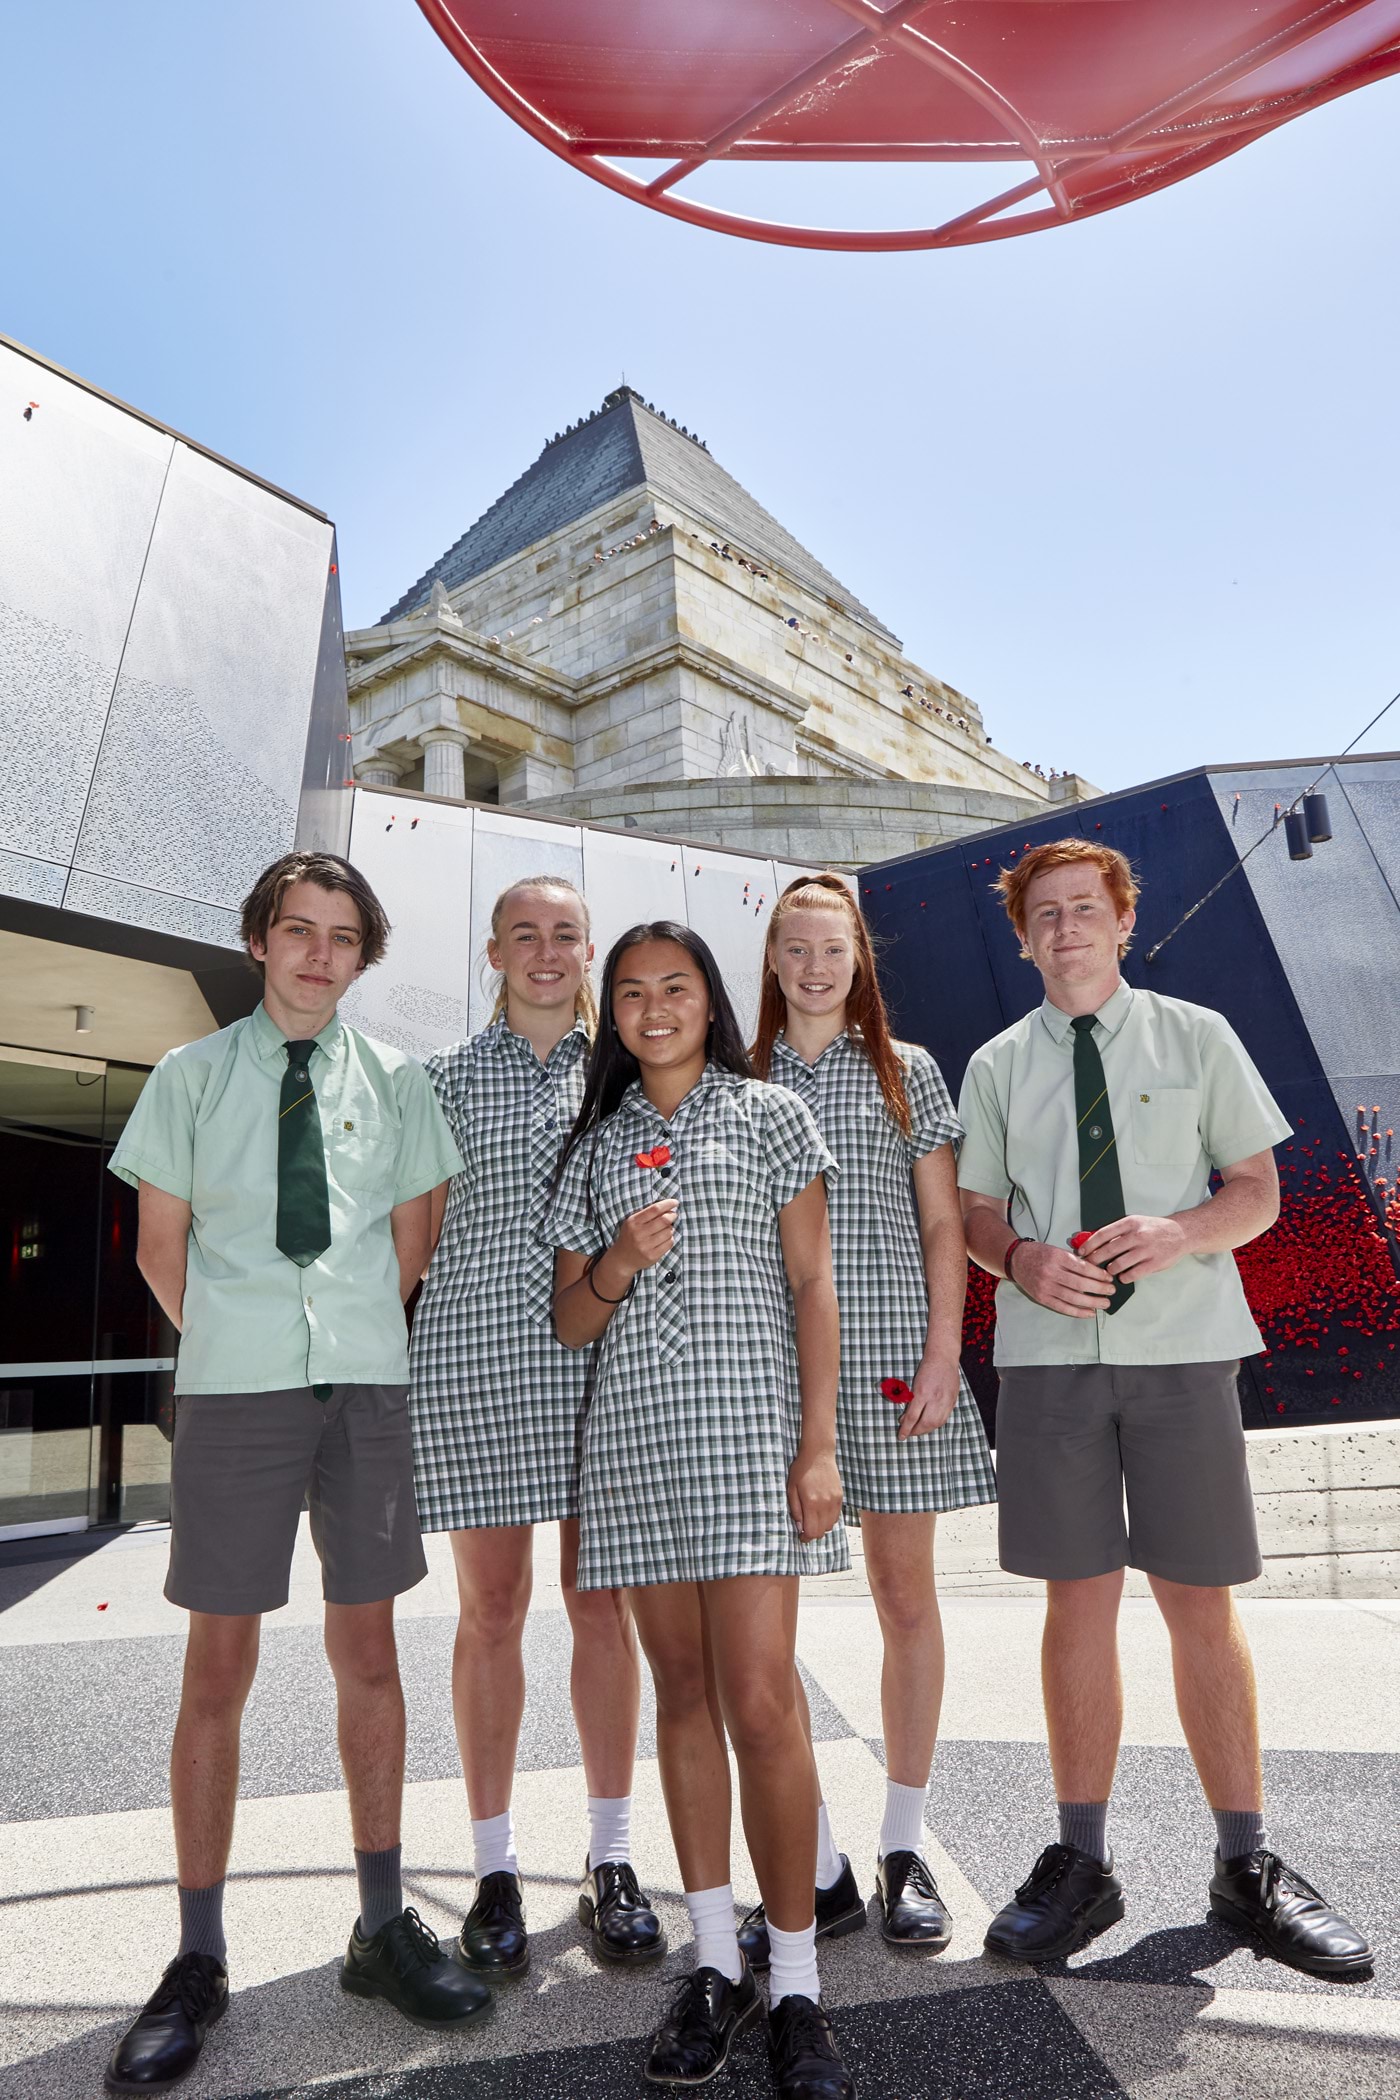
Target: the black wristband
(1006, 1260)
(588, 1272)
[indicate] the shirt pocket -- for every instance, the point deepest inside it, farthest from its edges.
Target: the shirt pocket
(362, 1152)
(1166, 1126)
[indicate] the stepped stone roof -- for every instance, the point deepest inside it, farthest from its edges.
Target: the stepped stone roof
(625, 444)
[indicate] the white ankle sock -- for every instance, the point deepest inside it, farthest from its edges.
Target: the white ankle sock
(716, 1936)
(609, 1828)
(828, 1858)
(903, 1827)
(494, 1839)
(793, 1973)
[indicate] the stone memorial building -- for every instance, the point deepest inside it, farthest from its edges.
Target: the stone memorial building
(627, 638)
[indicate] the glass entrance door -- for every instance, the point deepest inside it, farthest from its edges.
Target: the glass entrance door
(85, 1355)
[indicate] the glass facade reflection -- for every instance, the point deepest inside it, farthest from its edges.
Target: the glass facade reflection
(86, 1356)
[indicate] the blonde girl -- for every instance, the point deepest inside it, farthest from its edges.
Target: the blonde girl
(497, 1405)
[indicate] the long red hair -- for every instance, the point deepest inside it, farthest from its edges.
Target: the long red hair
(865, 1008)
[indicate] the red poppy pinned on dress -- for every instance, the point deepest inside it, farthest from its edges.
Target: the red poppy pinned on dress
(895, 1390)
(658, 1157)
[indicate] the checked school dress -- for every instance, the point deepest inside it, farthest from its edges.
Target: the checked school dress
(880, 1283)
(496, 1401)
(695, 1413)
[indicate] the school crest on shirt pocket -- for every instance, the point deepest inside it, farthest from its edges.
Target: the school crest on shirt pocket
(1166, 1125)
(362, 1150)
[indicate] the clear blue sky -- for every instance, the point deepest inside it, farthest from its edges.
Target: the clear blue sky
(1133, 485)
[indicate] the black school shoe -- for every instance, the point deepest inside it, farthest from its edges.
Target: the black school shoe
(707, 2012)
(162, 2044)
(912, 1911)
(1263, 1896)
(493, 1941)
(404, 1963)
(1067, 1898)
(839, 1910)
(622, 1925)
(802, 2050)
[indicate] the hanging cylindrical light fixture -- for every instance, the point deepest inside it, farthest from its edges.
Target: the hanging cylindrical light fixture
(1317, 818)
(1299, 844)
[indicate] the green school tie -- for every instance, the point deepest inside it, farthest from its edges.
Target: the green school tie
(1100, 1182)
(303, 1204)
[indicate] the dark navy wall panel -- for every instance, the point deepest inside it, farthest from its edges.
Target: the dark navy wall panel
(1323, 1283)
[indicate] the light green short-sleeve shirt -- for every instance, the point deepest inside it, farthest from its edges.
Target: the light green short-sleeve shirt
(1186, 1100)
(205, 1129)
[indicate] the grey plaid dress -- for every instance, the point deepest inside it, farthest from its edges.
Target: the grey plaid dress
(496, 1401)
(695, 1414)
(880, 1281)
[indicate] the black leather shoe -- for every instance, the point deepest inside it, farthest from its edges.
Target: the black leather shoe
(1261, 1895)
(493, 1941)
(404, 1963)
(162, 2044)
(802, 2050)
(1067, 1899)
(694, 2039)
(622, 1924)
(914, 1913)
(840, 1909)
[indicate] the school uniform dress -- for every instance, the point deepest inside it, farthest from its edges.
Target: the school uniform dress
(496, 1400)
(695, 1414)
(878, 1262)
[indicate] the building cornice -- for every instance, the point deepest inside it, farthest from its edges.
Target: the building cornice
(438, 636)
(691, 655)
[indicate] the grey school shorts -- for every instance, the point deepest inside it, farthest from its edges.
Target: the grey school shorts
(244, 1463)
(1075, 1440)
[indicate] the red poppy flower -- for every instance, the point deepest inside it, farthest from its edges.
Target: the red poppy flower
(896, 1390)
(658, 1157)
(1077, 1239)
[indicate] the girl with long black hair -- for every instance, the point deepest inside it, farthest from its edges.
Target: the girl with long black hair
(690, 1219)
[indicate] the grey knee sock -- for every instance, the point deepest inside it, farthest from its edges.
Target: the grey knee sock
(1238, 1831)
(381, 1887)
(1083, 1824)
(202, 1922)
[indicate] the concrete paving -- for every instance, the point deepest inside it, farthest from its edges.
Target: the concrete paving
(1166, 2006)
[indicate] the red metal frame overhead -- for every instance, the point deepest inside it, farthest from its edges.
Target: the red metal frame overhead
(1106, 100)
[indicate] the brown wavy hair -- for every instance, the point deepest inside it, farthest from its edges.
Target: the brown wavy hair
(262, 907)
(585, 1001)
(866, 1019)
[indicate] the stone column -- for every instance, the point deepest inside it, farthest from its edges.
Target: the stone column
(380, 771)
(444, 772)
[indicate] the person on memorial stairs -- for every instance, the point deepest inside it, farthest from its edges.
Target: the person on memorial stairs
(909, 1439)
(690, 1216)
(497, 1406)
(285, 1167)
(1094, 1128)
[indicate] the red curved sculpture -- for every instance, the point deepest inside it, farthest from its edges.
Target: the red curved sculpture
(1106, 99)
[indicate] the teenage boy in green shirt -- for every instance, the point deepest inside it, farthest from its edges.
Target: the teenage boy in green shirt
(1093, 1127)
(286, 1167)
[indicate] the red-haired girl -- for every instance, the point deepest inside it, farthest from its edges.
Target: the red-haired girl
(910, 1441)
